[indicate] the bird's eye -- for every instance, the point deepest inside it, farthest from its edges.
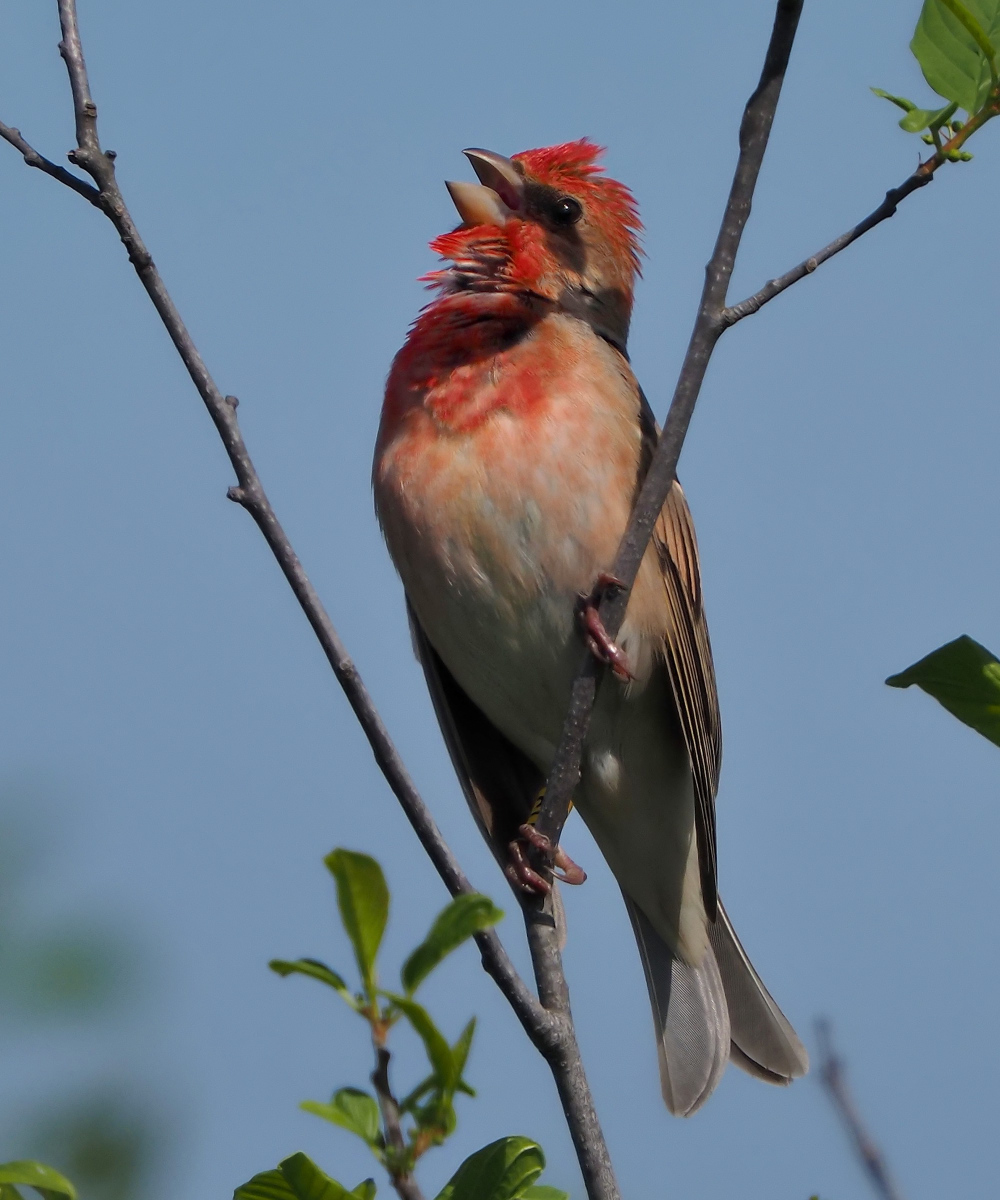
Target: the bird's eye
(567, 211)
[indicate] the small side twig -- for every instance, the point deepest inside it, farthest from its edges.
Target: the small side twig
(34, 159)
(832, 1077)
(403, 1181)
(774, 287)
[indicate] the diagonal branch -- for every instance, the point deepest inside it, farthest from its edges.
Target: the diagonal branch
(831, 1074)
(709, 326)
(547, 1021)
(774, 287)
(34, 159)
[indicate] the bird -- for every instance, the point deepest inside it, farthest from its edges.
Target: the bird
(512, 443)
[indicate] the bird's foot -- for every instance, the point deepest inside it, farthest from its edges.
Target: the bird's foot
(599, 642)
(523, 875)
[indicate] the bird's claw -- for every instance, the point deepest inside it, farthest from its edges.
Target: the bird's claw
(600, 643)
(520, 871)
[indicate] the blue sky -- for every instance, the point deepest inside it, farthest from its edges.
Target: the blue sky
(164, 695)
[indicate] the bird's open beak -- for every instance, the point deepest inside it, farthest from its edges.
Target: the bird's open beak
(478, 205)
(496, 197)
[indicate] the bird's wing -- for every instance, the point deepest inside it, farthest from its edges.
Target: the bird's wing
(687, 653)
(500, 783)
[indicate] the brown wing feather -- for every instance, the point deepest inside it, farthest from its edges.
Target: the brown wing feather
(688, 657)
(500, 783)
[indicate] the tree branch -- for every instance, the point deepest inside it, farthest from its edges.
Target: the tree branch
(562, 1052)
(34, 159)
(547, 1022)
(736, 312)
(920, 178)
(709, 326)
(405, 1184)
(831, 1074)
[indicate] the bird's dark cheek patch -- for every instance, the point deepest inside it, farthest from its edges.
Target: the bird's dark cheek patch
(568, 249)
(606, 311)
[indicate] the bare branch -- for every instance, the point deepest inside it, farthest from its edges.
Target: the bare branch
(775, 287)
(249, 493)
(709, 326)
(562, 1053)
(831, 1074)
(920, 178)
(34, 159)
(548, 1022)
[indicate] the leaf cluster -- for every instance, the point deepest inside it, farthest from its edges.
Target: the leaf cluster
(956, 45)
(399, 1131)
(504, 1170)
(428, 1110)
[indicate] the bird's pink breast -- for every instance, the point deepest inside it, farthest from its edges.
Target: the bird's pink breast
(517, 464)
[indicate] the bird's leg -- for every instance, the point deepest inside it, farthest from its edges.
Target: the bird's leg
(598, 641)
(520, 870)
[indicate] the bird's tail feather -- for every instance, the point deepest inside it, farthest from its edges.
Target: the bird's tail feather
(764, 1043)
(690, 1015)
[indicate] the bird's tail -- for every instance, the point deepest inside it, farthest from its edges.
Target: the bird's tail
(764, 1043)
(690, 1016)
(706, 1014)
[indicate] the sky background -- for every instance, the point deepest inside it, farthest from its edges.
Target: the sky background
(170, 733)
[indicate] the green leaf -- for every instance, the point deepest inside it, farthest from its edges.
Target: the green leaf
(351, 1109)
(921, 118)
(363, 899)
(964, 677)
(955, 44)
(315, 970)
(365, 1190)
(308, 1182)
(438, 1051)
(463, 917)
(297, 1178)
(542, 1191)
(460, 1053)
(44, 1180)
(899, 101)
(268, 1185)
(503, 1170)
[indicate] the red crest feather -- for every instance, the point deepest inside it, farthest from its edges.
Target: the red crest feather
(573, 167)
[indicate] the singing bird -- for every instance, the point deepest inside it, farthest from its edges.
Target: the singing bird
(513, 440)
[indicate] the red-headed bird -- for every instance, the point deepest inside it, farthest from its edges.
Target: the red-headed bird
(513, 440)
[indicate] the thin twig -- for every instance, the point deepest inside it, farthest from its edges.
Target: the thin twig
(831, 1074)
(404, 1183)
(547, 1022)
(920, 178)
(34, 159)
(709, 326)
(774, 287)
